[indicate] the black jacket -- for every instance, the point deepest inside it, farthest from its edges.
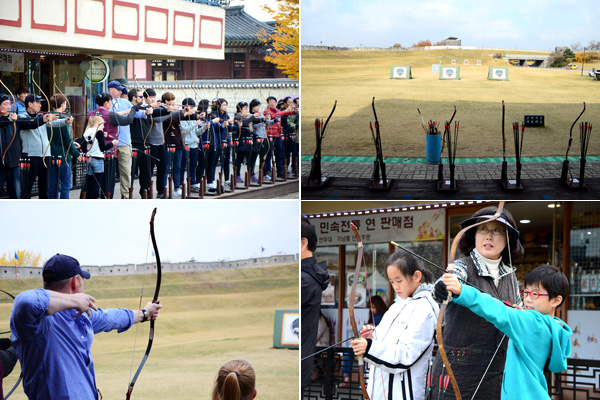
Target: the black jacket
(315, 279)
(7, 132)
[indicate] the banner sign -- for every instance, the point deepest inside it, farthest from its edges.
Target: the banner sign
(12, 62)
(404, 226)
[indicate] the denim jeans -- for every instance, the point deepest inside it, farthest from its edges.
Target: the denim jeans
(12, 176)
(96, 165)
(193, 160)
(64, 181)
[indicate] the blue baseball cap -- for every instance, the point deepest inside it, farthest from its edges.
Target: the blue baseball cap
(60, 267)
(116, 85)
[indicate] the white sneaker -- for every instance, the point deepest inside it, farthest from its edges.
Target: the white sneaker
(267, 177)
(177, 193)
(228, 183)
(211, 185)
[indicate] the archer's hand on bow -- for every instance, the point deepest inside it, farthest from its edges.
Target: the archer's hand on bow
(152, 309)
(12, 117)
(69, 120)
(50, 117)
(359, 346)
(452, 283)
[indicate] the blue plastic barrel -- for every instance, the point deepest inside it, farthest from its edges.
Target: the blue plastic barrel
(433, 144)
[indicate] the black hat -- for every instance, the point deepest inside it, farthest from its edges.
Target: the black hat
(513, 233)
(31, 98)
(61, 267)
(3, 98)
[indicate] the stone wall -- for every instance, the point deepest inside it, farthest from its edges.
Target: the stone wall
(130, 269)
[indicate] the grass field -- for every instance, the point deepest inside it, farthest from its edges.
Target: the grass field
(354, 77)
(208, 318)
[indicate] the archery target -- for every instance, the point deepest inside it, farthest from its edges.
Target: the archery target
(498, 73)
(400, 72)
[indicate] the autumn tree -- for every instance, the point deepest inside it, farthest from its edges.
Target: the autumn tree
(26, 258)
(285, 37)
(423, 43)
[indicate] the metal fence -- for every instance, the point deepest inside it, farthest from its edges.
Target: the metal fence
(335, 377)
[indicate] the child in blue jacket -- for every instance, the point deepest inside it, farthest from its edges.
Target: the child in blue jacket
(538, 340)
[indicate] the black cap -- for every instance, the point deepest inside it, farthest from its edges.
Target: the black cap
(3, 98)
(61, 267)
(31, 98)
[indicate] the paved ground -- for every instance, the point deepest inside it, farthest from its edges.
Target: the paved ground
(464, 171)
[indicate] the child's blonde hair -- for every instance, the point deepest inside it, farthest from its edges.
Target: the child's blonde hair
(235, 381)
(95, 121)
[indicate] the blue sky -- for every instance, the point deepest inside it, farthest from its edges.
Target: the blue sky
(100, 232)
(525, 24)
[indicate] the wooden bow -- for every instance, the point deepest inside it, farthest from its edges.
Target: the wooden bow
(361, 372)
(439, 337)
(21, 375)
(155, 301)
(50, 123)
(14, 122)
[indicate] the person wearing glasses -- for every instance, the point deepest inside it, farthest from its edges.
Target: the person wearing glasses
(538, 340)
(469, 340)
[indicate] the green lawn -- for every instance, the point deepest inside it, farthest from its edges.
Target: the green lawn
(353, 78)
(208, 318)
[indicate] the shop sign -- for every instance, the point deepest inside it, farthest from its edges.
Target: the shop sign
(401, 226)
(12, 62)
(98, 71)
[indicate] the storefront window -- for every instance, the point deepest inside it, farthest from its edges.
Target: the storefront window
(70, 78)
(585, 256)
(431, 250)
(331, 256)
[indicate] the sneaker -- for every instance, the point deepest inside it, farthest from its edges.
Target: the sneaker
(211, 185)
(177, 193)
(267, 177)
(195, 188)
(254, 179)
(239, 179)
(228, 183)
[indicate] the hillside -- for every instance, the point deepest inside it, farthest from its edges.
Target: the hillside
(209, 317)
(355, 77)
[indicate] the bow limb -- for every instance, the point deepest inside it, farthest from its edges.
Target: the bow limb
(21, 375)
(14, 123)
(155, 301)
(50, 123)
(439, 338)
(70, 112)
(361, 372)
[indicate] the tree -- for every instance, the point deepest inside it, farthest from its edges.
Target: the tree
(568, 53)
(423, 43)
(284, 38)
(576, 47)
(26, 259)
(397, 45)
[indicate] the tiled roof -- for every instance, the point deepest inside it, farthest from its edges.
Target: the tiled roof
(241, 27)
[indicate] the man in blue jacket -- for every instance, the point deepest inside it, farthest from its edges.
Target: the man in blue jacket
(53, 329)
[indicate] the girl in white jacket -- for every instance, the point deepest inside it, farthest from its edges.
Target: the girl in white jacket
(400, 348)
